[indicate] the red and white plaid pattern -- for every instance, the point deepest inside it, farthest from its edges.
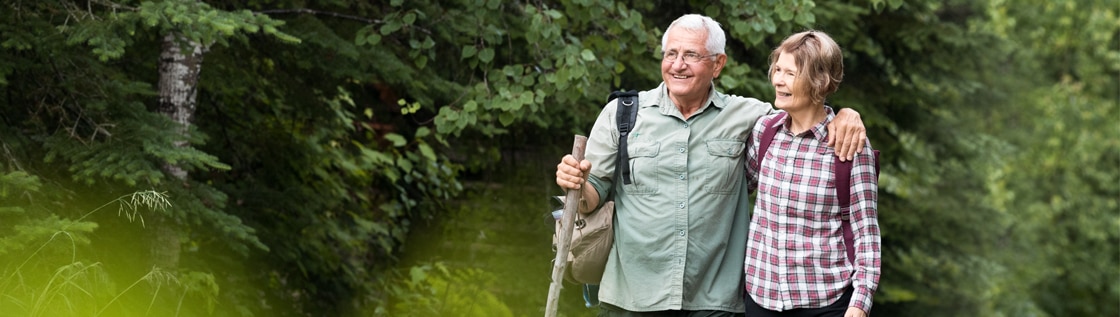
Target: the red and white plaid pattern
(795, 253)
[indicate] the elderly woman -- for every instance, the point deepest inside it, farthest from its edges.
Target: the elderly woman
(796, 262)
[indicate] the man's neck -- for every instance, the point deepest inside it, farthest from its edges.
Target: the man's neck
(690, 105)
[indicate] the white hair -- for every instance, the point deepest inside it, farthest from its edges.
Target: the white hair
(695, 22)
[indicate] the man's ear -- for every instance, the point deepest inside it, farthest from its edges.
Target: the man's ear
(721, 60)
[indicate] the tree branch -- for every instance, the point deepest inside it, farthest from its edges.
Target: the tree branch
(317, 12)
(336, 15)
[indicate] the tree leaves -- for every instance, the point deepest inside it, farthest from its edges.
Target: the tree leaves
(486, 55)
(329, 129)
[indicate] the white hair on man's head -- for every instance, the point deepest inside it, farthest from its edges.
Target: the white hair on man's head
(695, 22)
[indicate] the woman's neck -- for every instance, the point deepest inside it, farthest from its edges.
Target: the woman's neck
(802, 120)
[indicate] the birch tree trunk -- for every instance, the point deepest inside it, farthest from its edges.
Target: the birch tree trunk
(178, 86)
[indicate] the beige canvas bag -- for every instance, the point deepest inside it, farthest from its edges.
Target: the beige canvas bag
(592, 239)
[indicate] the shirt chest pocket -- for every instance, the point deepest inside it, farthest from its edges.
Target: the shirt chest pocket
(643, 168)
(725, 166)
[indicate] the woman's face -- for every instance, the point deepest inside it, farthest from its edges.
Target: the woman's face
(789, 89)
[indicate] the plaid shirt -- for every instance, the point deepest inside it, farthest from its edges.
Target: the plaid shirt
(795, 253)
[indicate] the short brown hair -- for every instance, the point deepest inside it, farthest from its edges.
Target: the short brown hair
(819, 61)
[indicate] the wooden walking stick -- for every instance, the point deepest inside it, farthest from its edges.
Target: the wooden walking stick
(564, 237)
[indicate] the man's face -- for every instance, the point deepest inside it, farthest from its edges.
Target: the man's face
(689, 80)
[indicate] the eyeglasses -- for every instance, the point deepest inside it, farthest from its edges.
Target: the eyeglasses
(689, 57)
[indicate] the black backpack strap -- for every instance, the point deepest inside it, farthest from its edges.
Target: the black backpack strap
(626, 117)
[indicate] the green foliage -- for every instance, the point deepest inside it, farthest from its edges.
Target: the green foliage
(134, 156)
(435, 290)
(45, 275)
(500, 224)
(196, 20)
(325, 131)
(356, 188)
(16, 184)
(1059, 178)
(1073, 173)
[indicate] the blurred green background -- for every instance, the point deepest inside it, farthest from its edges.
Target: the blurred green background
(388, 158)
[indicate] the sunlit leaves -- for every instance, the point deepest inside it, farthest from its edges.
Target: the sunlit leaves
(396, 139)
(408, 108)
(486, 55)
(587, 55)
(15, 183)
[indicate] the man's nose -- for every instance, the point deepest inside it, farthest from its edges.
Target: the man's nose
(678, 63)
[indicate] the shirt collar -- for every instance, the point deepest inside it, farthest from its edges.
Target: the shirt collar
(819, 131)
(669, 108)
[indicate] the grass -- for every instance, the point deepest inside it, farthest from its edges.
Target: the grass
(57, 279)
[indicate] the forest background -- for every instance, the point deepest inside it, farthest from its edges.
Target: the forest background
(357, 158)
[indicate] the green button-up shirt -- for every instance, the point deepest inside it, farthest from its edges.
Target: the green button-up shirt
(681, 226)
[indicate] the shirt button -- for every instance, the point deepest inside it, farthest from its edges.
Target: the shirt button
(682, 233)
(686, 125)
(680, 150)
(681, 177)
(681, 205)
